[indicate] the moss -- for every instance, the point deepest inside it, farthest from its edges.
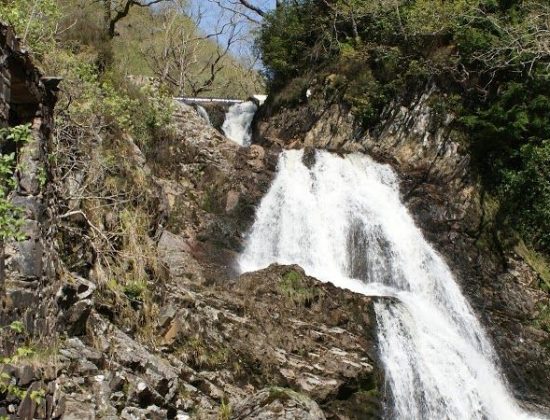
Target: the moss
(537, 262)
(277, 393)
(543, 318)
(204, 355)
(292, 285)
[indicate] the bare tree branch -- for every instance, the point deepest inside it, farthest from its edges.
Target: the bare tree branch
(121, 13)
(250, 6)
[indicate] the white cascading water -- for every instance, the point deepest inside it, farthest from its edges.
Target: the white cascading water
(342, 220)
(203, 113)
(237, 122)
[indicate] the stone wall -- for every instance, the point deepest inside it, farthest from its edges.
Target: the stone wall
(28, 98)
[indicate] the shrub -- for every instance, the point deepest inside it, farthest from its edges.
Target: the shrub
(35, 21)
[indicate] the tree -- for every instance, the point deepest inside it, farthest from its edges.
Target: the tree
(192, 62)
(113, 12)
(248, 9)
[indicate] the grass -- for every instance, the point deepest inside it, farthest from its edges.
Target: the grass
(225, 410)
(284, 394)
(543, 318)
(537, 262)
(204, 355)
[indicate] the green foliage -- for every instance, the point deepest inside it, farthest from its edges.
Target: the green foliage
(8, 383)
(10, 215)
(292, 93)
(42, 177)
(537, 262)
(225, 410)
(136, 290)
(18, 134)
(17, 326)
(511, 141)
(489, 57)
(527, 192)
(35, 21)
(291, 40)
(542, 321)
(292, 285)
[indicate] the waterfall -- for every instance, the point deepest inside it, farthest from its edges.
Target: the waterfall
(203, 113)
(237, 122)
(342, 220)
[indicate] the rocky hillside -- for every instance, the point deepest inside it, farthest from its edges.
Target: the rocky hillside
(120, 298)
(122, 301)
(502, 279)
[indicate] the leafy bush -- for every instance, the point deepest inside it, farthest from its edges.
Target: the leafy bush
(35, 21)
(511, 143)
(526, 191)
(10, 215)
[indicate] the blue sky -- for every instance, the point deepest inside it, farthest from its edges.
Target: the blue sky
(216, 16)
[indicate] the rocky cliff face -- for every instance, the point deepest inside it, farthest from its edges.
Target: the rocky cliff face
(126, 281)
(28, 269)
(442, 192)
(131, 305)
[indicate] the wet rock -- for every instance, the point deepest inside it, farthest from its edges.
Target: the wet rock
(85, 368)
(75, 349)
(174, 252)
(25, 375)
(150, 413)
(75, 318)
(166, 316)
(118, 382)
(77, 288)
(278, 403)
(202, 338)
(29, 406)
(443, 194)
(78, 410)
(27, 258)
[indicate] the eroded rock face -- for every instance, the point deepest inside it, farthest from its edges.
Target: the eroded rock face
(278, 403)
(266, 330)
(211, 186)
(261, 347)
(447, 202)
(209, 343)
(28, 270)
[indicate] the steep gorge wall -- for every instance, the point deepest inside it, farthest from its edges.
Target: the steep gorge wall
(126, 283)
(30, 265)
(440, 187)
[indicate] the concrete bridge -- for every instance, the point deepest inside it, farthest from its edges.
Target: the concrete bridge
(191, 100)
(226, 101)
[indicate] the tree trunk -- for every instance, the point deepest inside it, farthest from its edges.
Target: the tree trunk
(106, 56)
(2, 269)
